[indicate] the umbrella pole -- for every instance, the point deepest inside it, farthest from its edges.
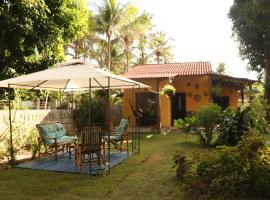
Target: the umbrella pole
(89, 120)
(10, 128)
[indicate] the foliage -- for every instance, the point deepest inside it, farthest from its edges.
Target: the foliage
(216, 90)
(233, 124)
(221, 68)
(207, 118)
(189, 124)
(81, 112)
(182, 165)
(33, 33)
(251, 29)
(24, 139)
(168, 90)
(233, 172)
(258, 115)
(161, 47)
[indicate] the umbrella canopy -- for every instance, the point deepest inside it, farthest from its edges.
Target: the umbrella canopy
(74, 75)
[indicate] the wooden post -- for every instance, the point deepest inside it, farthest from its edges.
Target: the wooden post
(242, 97)
(158, 105)
(210, 89)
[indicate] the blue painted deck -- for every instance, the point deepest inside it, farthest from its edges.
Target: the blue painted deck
(66, 164)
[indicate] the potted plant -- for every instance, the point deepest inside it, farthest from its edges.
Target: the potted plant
(168, 90)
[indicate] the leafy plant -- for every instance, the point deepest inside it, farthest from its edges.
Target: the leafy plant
(233, 124)
(81, 112)
(188, 125)
(216, 90)
(182, 165)
(168, 90)
(207, 118)
(232, 172)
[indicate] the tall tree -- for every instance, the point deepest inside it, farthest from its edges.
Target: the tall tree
(108, 18)
(161, 47)
(221, 68)
(33, 33)
(251, 28)
(136, 27)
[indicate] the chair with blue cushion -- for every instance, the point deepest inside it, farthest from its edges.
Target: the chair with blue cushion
(121, 134)
(54, 138)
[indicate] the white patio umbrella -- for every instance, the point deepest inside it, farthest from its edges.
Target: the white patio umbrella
(71, 76)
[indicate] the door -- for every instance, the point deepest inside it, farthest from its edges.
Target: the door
(146, 106)
(178, 106)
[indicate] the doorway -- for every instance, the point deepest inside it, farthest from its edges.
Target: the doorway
(222, 101)
(178, 106)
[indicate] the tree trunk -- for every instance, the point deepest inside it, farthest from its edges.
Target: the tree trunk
(267, 80)
(127, 59)
(109, 52)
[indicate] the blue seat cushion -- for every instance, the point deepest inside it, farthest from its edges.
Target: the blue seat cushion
(66, 139)
(113, 137)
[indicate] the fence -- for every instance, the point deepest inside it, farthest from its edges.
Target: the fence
(24, 131)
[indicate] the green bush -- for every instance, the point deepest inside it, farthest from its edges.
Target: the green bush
(233, 124)
(232, 171)
(81, 112)
(188, 125)
(207, 118)
(182, 165)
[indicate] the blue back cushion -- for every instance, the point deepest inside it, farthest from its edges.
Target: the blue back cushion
(122, 128)
(51, 130)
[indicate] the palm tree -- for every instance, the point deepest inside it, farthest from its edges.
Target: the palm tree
(132, 31)
(109, 16)
(161, 47)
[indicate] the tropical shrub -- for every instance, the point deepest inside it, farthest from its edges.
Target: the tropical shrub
(233, 124)
(188, 124)
(207, 118)
(81, 112)
(258, 115)
(231, 171)
(182, 165)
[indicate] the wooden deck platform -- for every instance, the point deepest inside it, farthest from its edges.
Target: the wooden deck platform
(66, 164)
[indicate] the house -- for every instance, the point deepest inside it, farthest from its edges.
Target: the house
(196, 86)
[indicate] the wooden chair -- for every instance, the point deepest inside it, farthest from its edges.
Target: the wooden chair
(120, 135)
(54, 138)
(90, 148)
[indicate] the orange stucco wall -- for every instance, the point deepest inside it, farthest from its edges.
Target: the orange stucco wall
(196, 88)
(233, 96)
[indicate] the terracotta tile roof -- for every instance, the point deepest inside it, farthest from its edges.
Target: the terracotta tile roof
(169, 70)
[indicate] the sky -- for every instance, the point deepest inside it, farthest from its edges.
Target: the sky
(201, 31)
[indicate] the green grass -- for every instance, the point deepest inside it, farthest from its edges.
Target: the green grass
(147, 175)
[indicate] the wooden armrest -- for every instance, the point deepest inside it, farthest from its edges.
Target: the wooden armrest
(47, 138)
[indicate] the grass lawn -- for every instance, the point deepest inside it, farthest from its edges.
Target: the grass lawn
(147, 175)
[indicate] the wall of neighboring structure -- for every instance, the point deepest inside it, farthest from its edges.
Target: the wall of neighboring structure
(196, 88)
(165, 105)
